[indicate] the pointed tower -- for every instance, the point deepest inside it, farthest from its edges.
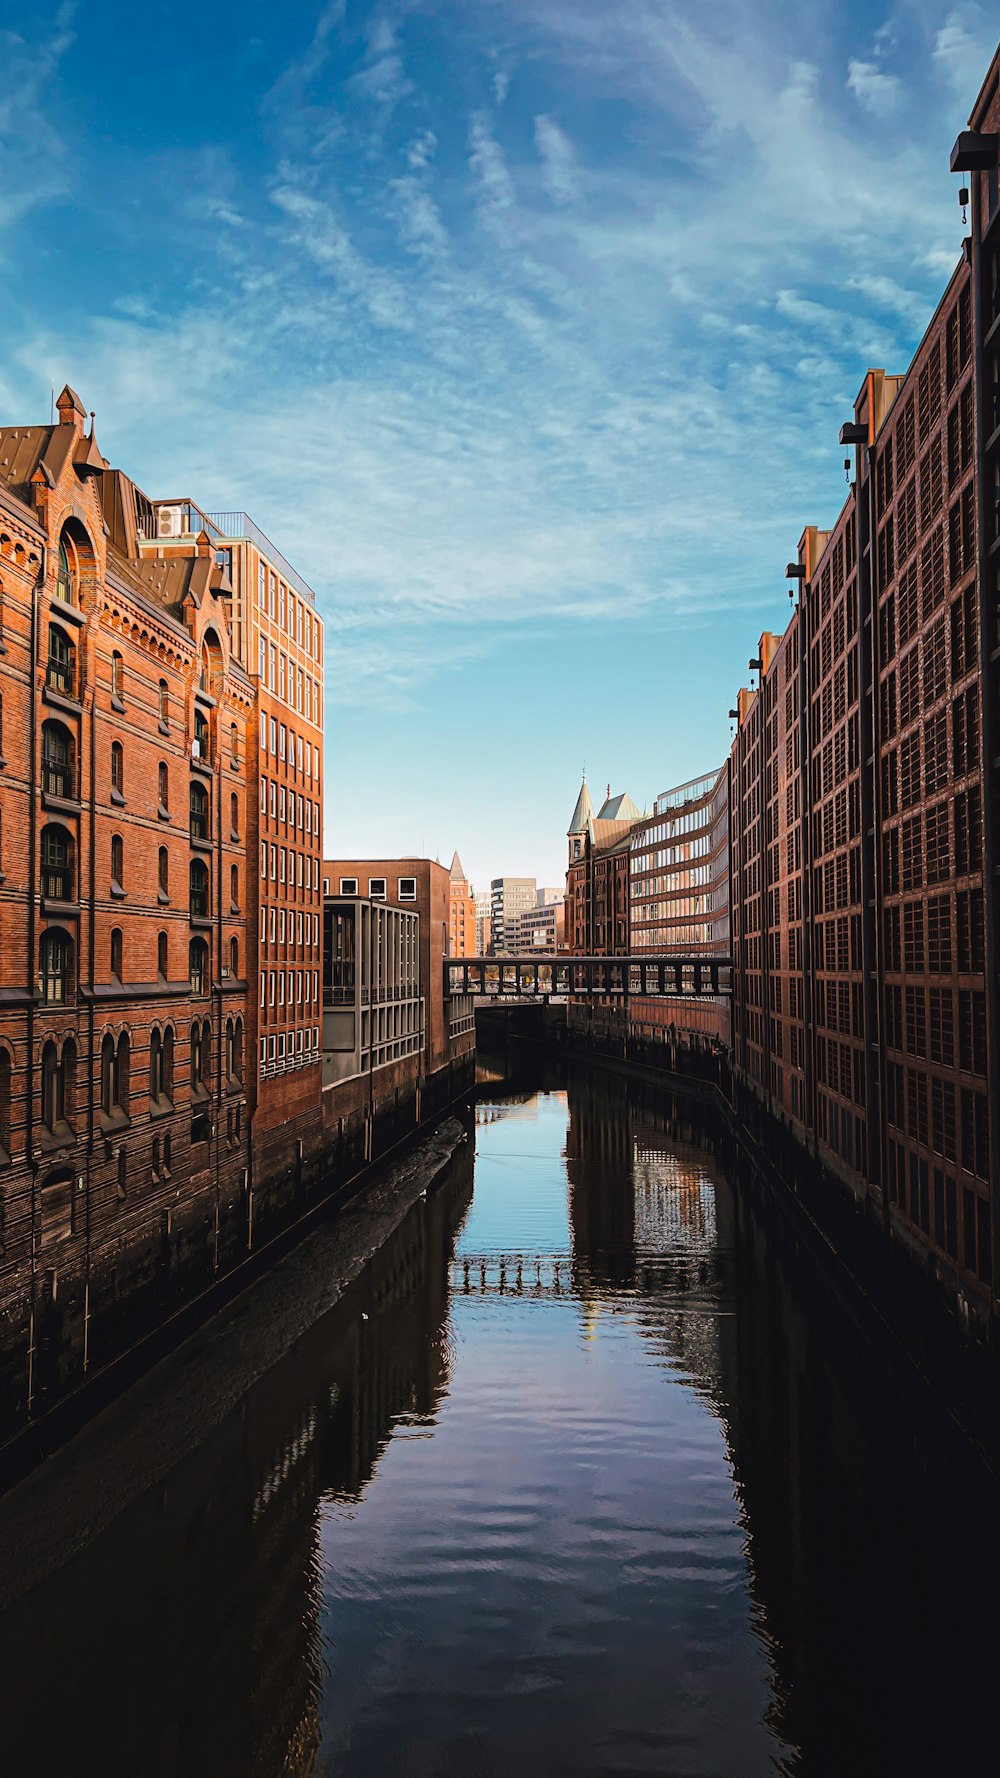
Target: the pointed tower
(461, 913)
(583, 814)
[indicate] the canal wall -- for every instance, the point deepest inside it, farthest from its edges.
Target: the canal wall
(879, 1283)
(85, 1345)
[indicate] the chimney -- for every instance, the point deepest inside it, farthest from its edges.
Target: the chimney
(70, 409)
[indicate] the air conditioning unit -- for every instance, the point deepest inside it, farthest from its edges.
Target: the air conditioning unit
(170, 521)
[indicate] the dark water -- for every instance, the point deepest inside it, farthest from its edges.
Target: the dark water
(586, 1476)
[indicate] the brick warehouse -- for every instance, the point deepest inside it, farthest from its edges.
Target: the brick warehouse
(135, 744)
(865, 793)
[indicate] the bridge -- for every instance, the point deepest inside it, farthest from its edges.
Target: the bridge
(546, 977)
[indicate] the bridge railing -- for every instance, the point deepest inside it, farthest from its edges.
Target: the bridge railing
(565, 977)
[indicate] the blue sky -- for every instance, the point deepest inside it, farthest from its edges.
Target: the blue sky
(523, 327)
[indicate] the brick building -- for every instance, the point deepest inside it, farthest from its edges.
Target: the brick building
(461, 912)
(864, 795)
(123, 913)
(597, 875)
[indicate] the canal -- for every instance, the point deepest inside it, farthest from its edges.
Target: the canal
(586, 1475)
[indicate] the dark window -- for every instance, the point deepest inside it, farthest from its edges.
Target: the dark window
(55, 964)
(58, 777)
(163, 785)
(163, 871)
(199, 812)
(161, 955)
(117, 861)
(57, 864)
(118, 768)
(117, 677)
(198, 966)
(116, 953)
(199, 893)
(60, 670)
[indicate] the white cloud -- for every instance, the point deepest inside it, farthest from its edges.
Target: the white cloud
(872, 88)
(560, 172)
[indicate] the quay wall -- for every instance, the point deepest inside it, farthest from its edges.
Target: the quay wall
(74, 1333)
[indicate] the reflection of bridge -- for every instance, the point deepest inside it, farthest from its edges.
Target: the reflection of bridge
(661, 1275)
(517, 977)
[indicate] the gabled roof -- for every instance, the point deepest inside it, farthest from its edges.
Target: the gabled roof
(619, 808)
(583, 811)
(606, 835)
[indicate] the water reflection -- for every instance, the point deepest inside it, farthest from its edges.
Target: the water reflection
(587, 1474)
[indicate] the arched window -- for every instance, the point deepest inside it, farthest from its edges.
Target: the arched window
(238, 1050)
(234, 885)
(198, 804)
(234, 957)
(116, 953)
(199, 889)
(200, 746)
(230, 1050)
(163, 787)
(5, 1073)
(168, 1063)
(118, 680)
(53, 1088)
(155, 1066)
(108, 1073)
(124, 1070)
(197, 1060)
(234, 816)
(57, 864)
(117, 772)
(58, 777)
(161, 955)
(60, 668)
(164, 704)
(163, 873)
(55, 962)
(117, 861)
(67, 572)
(198, 966)
(234, 743)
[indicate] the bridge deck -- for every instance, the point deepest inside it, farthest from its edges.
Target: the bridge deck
(513, 977)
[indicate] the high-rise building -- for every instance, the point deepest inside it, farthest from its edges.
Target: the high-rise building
(461, 913)
(484, 921)
(679, 894)
(510, 897)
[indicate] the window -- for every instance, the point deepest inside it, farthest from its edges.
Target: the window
(117, 681)
(376, 887)
(4, 1111)
(57, 864)
(200, 748)
(155, 1162)
(199, 889)
(198, 802)
(234, 885)
(117, 863)
(201, 1058)
(163, 873)
(55, 967)
(234, 743)
(161, 955)
(67, 572)
(198, 966)
(234, 957)
(161, 1066)
(163, 789)
(234, 816)
(116, 954)
(58, 1080)
(164, 706)
(117, 772)
(407, 888)
(58, 776)
(60, 669)
(114, 1075)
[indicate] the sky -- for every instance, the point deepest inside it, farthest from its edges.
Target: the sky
(524, 328)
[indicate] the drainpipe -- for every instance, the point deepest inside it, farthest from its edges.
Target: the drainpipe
(29, 1097)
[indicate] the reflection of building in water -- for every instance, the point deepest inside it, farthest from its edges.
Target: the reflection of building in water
(512, 1105)
(225, 1603)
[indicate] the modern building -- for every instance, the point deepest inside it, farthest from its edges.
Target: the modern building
(461, 913)
(679, 895)
(484, 922)
(510, 897)
(395, 1049)
(865, 786)
(543, 927)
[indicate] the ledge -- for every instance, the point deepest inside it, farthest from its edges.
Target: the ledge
(163, 898)
(117, 798)
(118, 892)
(59, 1140)
(204, 766)
(112, 1122)
(61, 700)
(164, 727)
(162, 814)
(199, 844)
(160, 1108)
(117, 704)
(63, 608)
(61, 805)
(60, 910)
